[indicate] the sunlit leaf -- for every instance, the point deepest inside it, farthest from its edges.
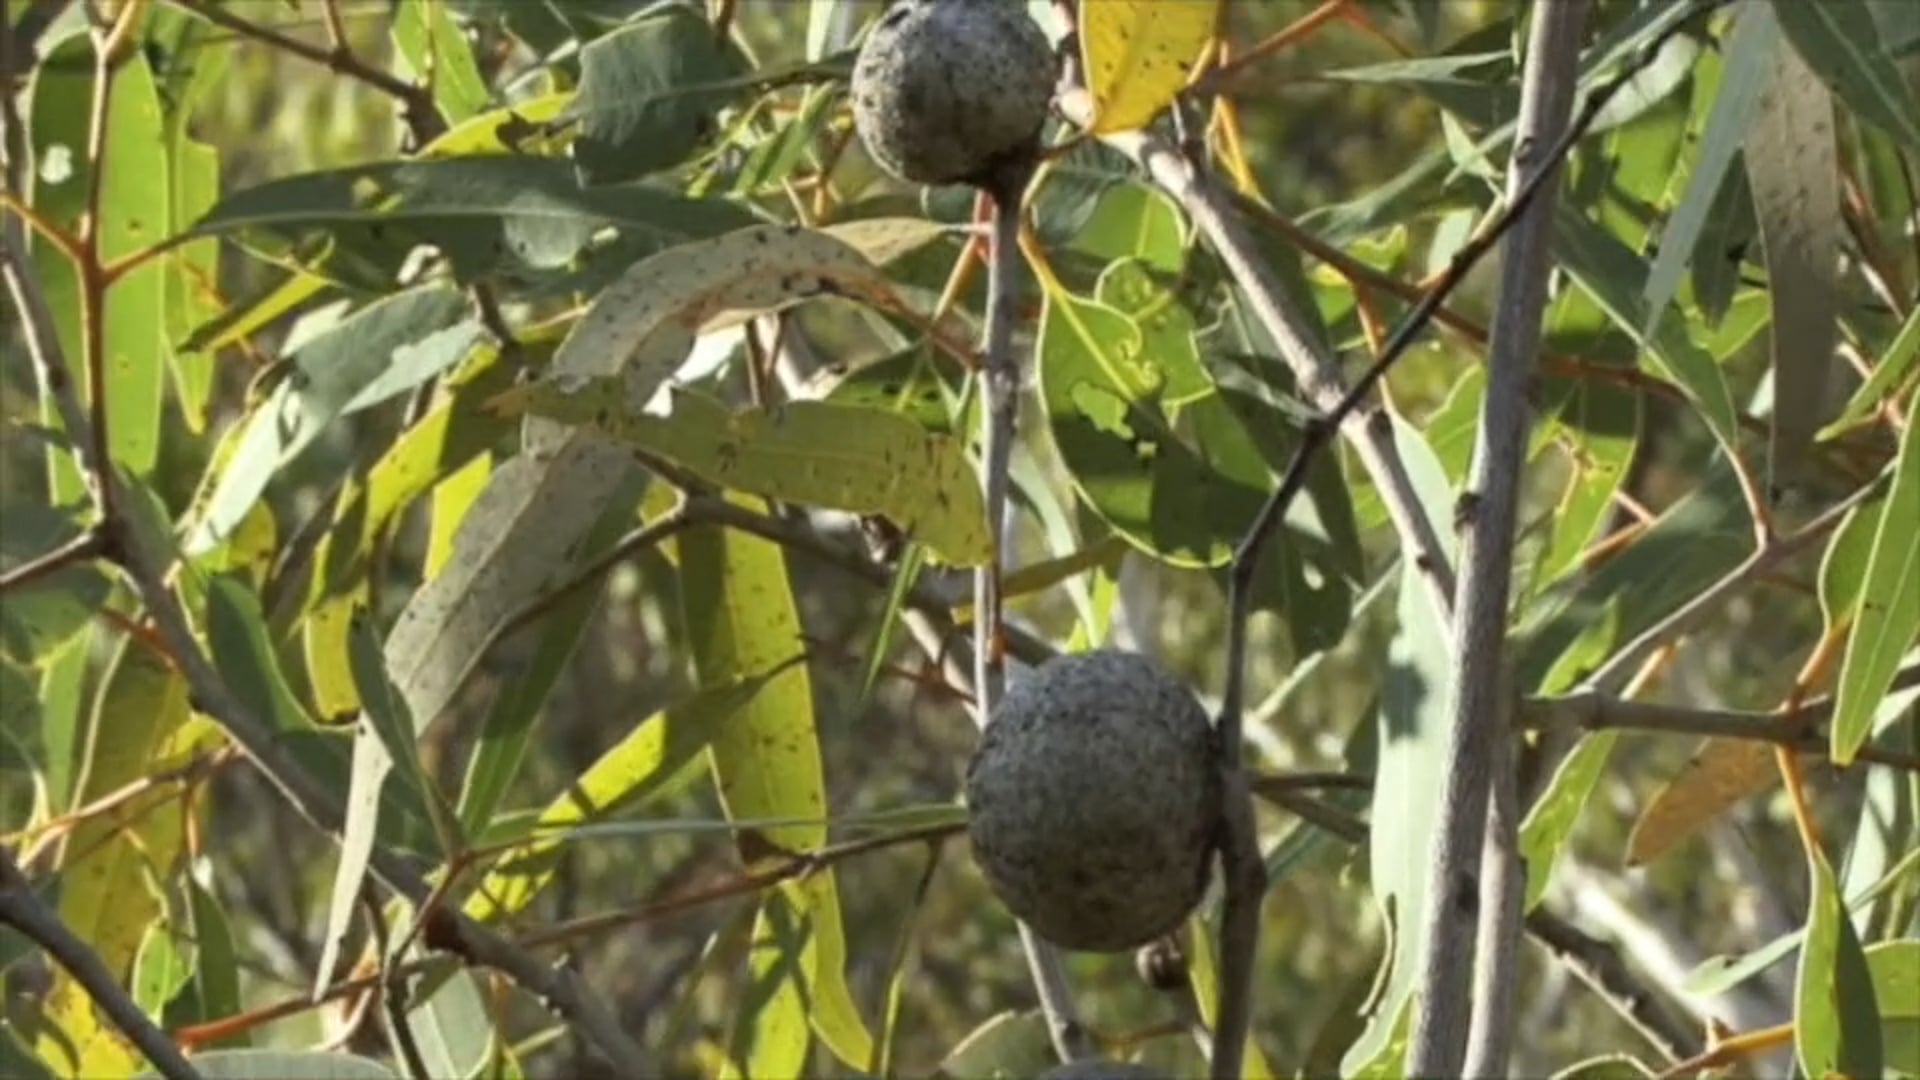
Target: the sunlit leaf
(1836, 1023)
(134, 211)
(1889, 618)
(811, 453)
(740, 620)
(1140, 54)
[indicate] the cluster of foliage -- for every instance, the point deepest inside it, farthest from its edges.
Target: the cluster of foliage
(530, 519)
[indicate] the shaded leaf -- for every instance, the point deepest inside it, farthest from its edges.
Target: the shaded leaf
(1793, 167)
(1889, 616)
(1839, 40)
(1615, 277)
(383, 350)
(1008, 1045)
(1686, 238)
(243, 653)
(1413, 724)
(487, 214)
(284, 1065)
(1895, 370)
(41, 616)
(649, 92)
(628, 775)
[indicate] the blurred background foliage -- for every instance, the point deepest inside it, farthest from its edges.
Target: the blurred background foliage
(1316, 142)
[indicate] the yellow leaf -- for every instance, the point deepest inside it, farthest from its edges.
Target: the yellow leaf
(1140, 54)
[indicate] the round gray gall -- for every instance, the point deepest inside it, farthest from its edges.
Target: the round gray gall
(944, 90)
(1093, 799)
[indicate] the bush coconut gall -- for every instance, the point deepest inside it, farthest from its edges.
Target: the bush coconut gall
(1093, 798)
(946, 90)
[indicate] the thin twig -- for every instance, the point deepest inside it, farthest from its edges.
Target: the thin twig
(1610, 676)
(146, 570)
(88, 545)
(23, 910)
(999, 416)
(1472, 936)
(1598, 964)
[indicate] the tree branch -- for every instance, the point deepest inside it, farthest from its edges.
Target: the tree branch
(21, 909)
(146, 569)
(999, 415)
(1452, 1003)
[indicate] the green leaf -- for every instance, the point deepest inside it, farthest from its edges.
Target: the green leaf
(1719, 974)
(1134, 221)
(1895, 369)
(1413, 724)
(1550, 822)
(1839, 40)
(134, 209)
(488, 214)
(437, 53)
(1184, 499)
(649, 93)
(1615, 277)
(740, 618)
(1686, 238)
(284, 1065)
(43, 615)
(1609, 1067)
(243, 653)
(1889, 618)
(1793, 167)
(812, 453)
(1008, 1045)
(453, 1028)
(1843, 568)
(629, 775)
(141, 723)
(1894, 967)
(1836, 1023)
(387, 716)
(216, 973)
(161, 968)
(1598, 429)
(383, 350)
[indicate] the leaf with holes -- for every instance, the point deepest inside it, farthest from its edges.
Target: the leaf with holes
(526, 532)
(1139, 55)
(811, 453)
